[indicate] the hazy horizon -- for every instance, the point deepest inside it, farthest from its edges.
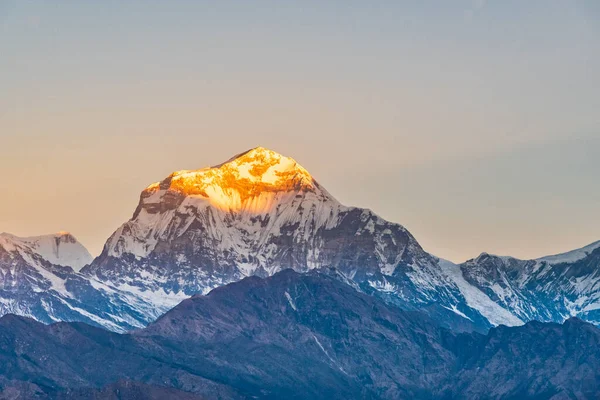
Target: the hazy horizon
(474, 124)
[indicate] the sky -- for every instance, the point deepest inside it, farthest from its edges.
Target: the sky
(474, 124)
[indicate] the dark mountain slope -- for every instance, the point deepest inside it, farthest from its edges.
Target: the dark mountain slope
(537, 360)
(316, 328)
(128, 390)
(75, 355)
(299, 336)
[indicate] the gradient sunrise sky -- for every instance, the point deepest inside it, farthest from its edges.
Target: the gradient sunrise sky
(475, 124)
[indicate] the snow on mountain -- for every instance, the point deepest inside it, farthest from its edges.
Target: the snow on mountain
(258, 184)
(552, 288)
(261, 212)
(58, 249)
(37, 281)
(571, 256)
(477, 299)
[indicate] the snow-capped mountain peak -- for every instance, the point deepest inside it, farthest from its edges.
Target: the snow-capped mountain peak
(59, 249)
(240, 202)
(263, 166)
(246, 182)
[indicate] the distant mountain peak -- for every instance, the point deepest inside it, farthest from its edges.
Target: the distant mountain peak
(60, 248)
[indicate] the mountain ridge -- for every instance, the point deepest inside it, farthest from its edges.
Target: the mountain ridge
(185, 242)
(261, 212)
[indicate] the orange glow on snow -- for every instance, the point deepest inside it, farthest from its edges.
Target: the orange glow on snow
(248, 182)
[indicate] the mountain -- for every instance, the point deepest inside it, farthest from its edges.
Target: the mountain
(551, 288)
(39, 279)
(60, 249)
(533, 361)
(312, 334)
(259, 213)
(67, 360)
(389, 352)
(298, 336)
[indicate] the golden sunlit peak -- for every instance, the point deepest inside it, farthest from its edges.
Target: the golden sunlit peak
(229, 185)
(266, 166)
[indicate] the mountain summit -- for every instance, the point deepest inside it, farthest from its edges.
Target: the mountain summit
(251, 182)
(251, 194)
(248, 174)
